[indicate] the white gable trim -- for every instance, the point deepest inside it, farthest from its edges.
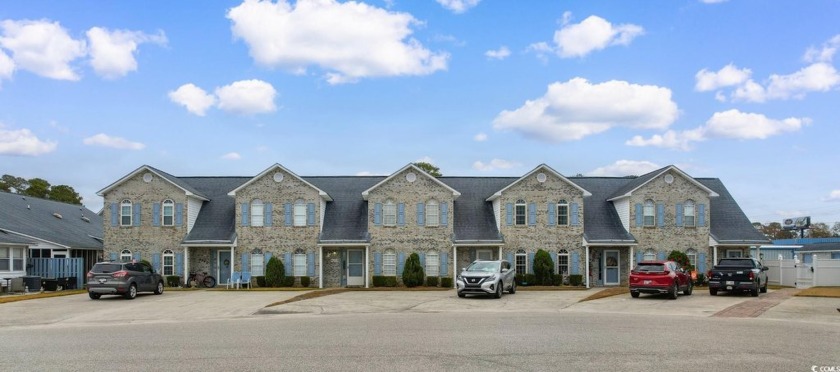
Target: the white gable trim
(498, 194)
(155, 172)
(455, 193)
(711, 192)
(37, 240)
(321, 193)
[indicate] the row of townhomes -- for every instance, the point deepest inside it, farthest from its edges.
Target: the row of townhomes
(341, 231)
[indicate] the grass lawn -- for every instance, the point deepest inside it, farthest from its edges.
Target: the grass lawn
(32, 296)
(607, 292)
(820, 292)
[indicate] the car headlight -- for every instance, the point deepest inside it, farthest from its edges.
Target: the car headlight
(461, 278)
(490, 278)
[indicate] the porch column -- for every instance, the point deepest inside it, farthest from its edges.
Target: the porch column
(186, 266)
(586, 268)
(321, 266)
(500, 253)
(714, 255)
(630, 261)
(454, 265)
(367, 263)
(233, 266)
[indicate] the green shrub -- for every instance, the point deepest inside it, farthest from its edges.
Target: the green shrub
(682, 259)
(543, 268)
(378, 281)
(305, 281)
(288, 281)
(576, 280)
(260, 281)
(701, 279)
(446, 282)
(557, 280)
(274, 272)
(390, 281)
(173, 281)
(432, 281)
(530, 279)
(413, 272)
(519, 278)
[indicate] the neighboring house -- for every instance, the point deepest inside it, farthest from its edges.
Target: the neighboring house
(342, 231)
(803, 249)
(33, 228)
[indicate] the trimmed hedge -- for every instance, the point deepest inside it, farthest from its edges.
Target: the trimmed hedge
(305, 281)
(384, 281)
(390, 281)
(173, 281)
(446, 282)
(260, 281)
(288, 281)
(432, 281)
(576, 280)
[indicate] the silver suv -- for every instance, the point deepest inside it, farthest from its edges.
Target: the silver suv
(486, 277)
(123, 278)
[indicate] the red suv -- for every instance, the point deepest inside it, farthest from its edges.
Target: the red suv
(660, 277)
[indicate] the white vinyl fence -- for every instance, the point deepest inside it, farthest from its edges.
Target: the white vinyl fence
(822, 272)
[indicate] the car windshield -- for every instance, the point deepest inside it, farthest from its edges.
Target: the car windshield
(106, 268)
(485, 266)
(650, 267)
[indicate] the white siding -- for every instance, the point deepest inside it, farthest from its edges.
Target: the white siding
(497, 210)
(193, 207)
(323, 210)
(622, 207)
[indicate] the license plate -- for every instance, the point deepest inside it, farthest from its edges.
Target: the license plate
(647, 282)
(729, 288)
(103, 281)
(729, 282)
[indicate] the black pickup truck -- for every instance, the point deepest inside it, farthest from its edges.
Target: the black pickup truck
(738, 274)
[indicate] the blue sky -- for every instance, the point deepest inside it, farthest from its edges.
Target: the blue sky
(745, 91)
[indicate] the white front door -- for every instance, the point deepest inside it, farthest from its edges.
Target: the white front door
(611, 267)
(355, 267)
(484, 254)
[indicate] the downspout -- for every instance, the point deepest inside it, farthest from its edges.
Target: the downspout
(586, 268)
(454, 265)
(186, 266)
(367, 262)
(321, 266)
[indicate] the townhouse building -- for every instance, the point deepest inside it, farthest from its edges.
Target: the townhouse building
(342, 230)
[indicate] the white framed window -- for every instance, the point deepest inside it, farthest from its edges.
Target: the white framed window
(300, 262)
(126, 212)
(650, 255)
(432, 213)
(300, 213)
(168, 262)
(649, 213)
(521, 262)
(11, 259)
(125, 255)
(257, 213)
(692, 257)
(257, 264)
(734, 253)
(168, 213)
(688, 213)
(519, 215)
(563, 213)
(389, 212)
(389, 263)
(563, 262)
(432, 263)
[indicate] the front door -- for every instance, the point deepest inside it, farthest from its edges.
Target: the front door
(484, 254)
(355, 267)
(224, 267)
(611, 267)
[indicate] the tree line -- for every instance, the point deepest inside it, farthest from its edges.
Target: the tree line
(774, 230)
(39, 188)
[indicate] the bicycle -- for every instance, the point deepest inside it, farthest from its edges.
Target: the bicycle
(202, 279)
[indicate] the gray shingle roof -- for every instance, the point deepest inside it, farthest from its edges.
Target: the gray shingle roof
(216, 220)
(820, 247)
(180, 182)
(474, 216)
(78, 227)
(346, 217)
(729, 224)
(634, 183)
(600, 220)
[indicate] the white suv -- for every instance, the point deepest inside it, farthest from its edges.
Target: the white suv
(486, 277)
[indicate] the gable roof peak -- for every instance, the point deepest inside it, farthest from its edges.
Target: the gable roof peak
(323, 194)
(175, 181)
(412, 166)
(546, 168)
(646, 178)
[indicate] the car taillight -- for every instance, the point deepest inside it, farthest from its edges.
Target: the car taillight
(709, 274)
(752, 275)
(120, 274)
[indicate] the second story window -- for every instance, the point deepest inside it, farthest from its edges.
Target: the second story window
(257, 213)
(432, 213)
(300, 213)
(688, 213)
(125, 213)
(563, 213)
(168, 213)
(649, 213)
(389, 213)
(520, 212)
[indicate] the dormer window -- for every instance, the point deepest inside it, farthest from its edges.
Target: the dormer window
(125, 213)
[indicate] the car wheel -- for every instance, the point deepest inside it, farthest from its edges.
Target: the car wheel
(675, 291)
(713, 291)
(462, 295)
(754, 291)
(512, 287)
(94, 296)
(689, 289)
(634, 294)
(159, 288)
(132, 292)
(499, 290)
(764, 289)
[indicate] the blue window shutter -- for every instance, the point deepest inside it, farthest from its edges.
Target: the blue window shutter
(660, 214)
(137, 213)
(444, 264)
(268, 217)
(245, 265)
(156, 262)
(245, 210)
(400, 263)
(554, 260)
(179, 214)
(530, 262)
(640, 257)
(213, 266)
(444, 214)
(575, 269)
(421, 214)
(115, 214)
(155, 214)
(661, 255)
(179, 263)
(532, 214)
(266, 259)
(701, 263)
(137, 256)
(552, 214)
(377, 263)
(288, 264)
(510, 259)
(400, 214)
(574, 211)
(310, 264)
(509, 214)
(679, 214)
(422, 260)
(113, 256)
(287, 213)
(640, 215)
(377, 214)
(701, 215)
(310, 214)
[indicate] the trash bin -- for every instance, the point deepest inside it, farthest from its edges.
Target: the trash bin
(61, 283)
(50, 284)
(33, 283)
(71, 283)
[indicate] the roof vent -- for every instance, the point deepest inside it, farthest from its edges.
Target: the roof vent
(85, 219)
(56, 215)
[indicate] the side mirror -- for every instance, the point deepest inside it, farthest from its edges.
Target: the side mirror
(504, 271)
(463, 269)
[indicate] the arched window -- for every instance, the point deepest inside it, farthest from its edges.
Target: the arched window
(688, 213)
(389, 263)
(650, 213)
(432, 213)
(650, 255)
(520, 212)
(692, 257)
(432, 263)
(168, 262)
(125, 255)
(300, 213)
(521, 262)
(562, 212)
(257, 213)
(126, 212)
(390, 213)
(563, 263)
(300, 262)
(168, 213)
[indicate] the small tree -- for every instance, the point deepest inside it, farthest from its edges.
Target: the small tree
(682, 259)
(274, 272)
(413, 274)
(543, 268)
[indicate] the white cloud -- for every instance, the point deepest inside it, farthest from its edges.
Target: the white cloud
(42, 47)
(7, 66)
(348, 40)
(247, 97)
(833, 196)
(425, 159)
(23, 142)
(105, 140)
(501, 53)
(713, 1)
(231, 156)
(623, 168)
(731, 124)
(480, 137)
(729, 75)
(195, 99)
(818, 77)
(593, 33)
(576, 109)
(495, 164)
(458, 6)
(823, 54)
(112, 52)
